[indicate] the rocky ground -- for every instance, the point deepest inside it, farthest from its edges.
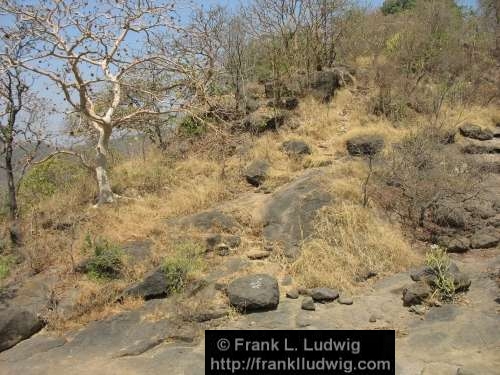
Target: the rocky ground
(442, 340)
(165, 335)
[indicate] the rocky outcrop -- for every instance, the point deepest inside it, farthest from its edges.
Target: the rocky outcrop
(254, 293)
(475, 132)
(208, 221)
(17, 324)
(365, 145)
(296, 148)
(256, 172)
(290, 213)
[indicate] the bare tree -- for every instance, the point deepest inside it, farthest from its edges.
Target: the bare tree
(20, 110)
(84, 48)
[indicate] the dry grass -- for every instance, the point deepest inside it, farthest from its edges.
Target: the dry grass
(349, 242)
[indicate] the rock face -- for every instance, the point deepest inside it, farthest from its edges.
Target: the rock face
(324, 295)
(17, 324)
(256, 172)
(154, 285)
(289, 216)
(365, 145)
(416, 293)
(254, 293)
(296, 148)
(475, 132)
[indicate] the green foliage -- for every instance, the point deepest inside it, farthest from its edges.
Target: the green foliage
(178, 268)
(6, 263)
(437, 258)
(107, 260)
(192, 127)
(396, 6)
(46, 179)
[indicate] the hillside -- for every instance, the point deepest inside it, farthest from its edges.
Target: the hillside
(304, 180)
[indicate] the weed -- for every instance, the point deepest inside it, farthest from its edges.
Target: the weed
(437, 258)
(107, 260)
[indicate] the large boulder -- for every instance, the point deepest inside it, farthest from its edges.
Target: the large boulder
(450, 215)
(323, 84)
(365, 145)
(289, 215)
(256, 172)
(17, 324)
(296, 148)
(257, 292)
(475, 132)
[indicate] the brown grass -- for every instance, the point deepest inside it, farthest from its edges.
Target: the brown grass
(350, 241)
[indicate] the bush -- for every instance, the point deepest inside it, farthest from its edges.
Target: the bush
(396, 6)
(192, 127)
(179, 268)
(46, 179)
(107, 260)
(437, 258)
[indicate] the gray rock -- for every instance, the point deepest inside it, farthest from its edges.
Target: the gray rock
(296, 148)
(458, 244)
(344, 300)
(289, 215)
(365, 145)
(482, 149)
(484, 239)
(324, 295)
(222, 250)
(213, 240)
(475, 132)
(256, 172)
(461, 282)
(450, 215)
(209, 220)
(258, 254)
(416, 293)
(137, 251)
(254, 293)
(417, 309)
(153, 285)
(373, 318)
(423, 273)
(292, 293)
(17, 324)
(308, 304)
(323, 84)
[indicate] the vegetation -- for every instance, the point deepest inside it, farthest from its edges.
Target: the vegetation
(181, 265)
(439, 261)
(106, 261)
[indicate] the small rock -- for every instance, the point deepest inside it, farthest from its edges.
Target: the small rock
(343, 300)
(256, 172)
(372, 319)
(416, 293)
(293, 294)
(324, 295)
(457, 244)
(254, 293)
(308, 304)
(461, 282)
(424, 273)
(257, 254)
(417, 309)
(296, 148)
(213, 240)
(365, 145)
(153, 285)
(475, 132)
(462, 371)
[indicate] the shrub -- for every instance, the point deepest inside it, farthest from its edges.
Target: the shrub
(396, 6)
(179, 268)
(437, 258)
(107, 260)
(192, 127)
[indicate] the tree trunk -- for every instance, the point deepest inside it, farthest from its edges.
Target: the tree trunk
(10, 182)
(101, 167)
